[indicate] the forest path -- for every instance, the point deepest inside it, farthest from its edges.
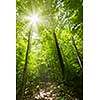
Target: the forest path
(48, 91)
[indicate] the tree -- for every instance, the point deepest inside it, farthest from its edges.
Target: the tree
(24, 77)
(60, 57)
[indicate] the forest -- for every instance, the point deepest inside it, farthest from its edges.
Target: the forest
(49, 49)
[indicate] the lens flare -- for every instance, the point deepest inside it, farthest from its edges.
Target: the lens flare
(33, 19)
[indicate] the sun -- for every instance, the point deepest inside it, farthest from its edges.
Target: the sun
(33, 19)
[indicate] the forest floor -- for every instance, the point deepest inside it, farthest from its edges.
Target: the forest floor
(47, 91)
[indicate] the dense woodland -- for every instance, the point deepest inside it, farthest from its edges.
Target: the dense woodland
(49, 50)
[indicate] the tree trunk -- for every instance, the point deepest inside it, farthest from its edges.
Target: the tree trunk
(76, 51)
(60, 57)
(24, 77)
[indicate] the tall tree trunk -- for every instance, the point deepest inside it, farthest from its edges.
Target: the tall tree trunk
(24, 77)
(77, 53)
(60, 57)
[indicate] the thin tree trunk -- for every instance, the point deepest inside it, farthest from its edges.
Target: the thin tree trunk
(77, 53)
(60, 57)
(24, 77)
